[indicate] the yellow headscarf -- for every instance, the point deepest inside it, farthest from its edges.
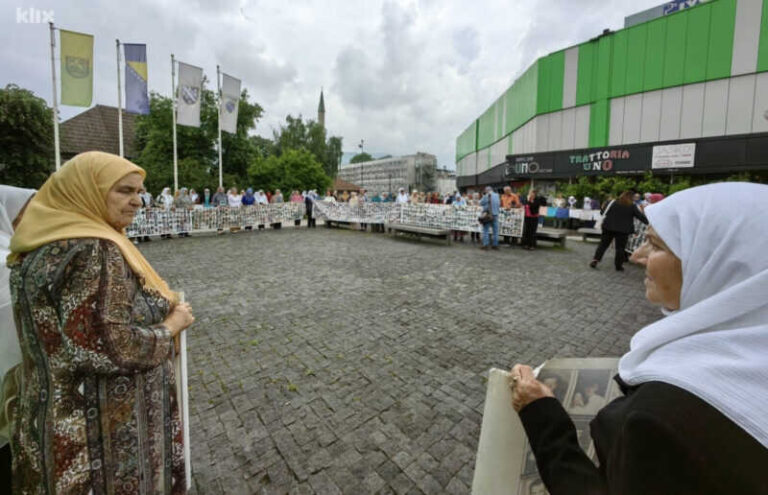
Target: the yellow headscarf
(73, 204)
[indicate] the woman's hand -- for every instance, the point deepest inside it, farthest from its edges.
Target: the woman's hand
(179, 319)
(525, 387)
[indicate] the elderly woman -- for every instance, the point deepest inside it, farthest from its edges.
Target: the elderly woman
(13, 202)
(693, 416)
(97, 409)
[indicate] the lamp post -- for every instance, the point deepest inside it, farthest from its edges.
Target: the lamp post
(362, 142)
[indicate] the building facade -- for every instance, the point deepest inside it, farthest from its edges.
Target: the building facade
(682, 93)
(411, 172)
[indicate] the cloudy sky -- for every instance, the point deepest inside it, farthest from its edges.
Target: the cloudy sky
(403, 75)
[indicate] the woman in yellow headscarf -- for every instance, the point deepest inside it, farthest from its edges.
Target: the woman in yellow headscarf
(97, 407)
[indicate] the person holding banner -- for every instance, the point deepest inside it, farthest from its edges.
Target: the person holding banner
(692, 419)
(97, 409)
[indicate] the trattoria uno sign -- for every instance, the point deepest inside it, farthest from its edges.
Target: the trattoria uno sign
(600, 160)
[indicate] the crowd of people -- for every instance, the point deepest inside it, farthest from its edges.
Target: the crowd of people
(88, 331)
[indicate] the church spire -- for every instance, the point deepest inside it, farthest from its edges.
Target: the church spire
(321, 110)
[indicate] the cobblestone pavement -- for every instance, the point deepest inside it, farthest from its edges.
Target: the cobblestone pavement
(332, 361)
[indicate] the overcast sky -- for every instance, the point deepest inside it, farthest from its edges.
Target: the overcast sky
(403, 75)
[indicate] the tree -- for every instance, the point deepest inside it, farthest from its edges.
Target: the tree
(26, 138)
(311, 136)
(293, 169)
(361, 157)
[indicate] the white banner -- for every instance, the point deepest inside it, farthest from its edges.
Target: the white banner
(189, 92)
(673, 156)
(230, 97)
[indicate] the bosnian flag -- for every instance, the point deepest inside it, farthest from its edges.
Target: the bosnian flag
(136, 99)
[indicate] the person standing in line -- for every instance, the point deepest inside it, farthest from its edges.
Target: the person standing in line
(491, 204)
(13, 202)
(402, 197)
(297, 197)
(509, 200)
(618, 223)
(220, 198)
(194, 197)
(146, 203)
(458, 202)
(277, 198)
(531, 204)
(165, 201)
(309, 202)
(182, 203)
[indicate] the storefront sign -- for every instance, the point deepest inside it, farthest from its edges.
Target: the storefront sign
(527, 165)
(598, 161)
(678, 5)
(673, 156)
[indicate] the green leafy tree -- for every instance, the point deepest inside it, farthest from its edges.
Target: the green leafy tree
(652, 184)
(297, 134)
(333, 156)
(361, 158)
(26, 138)
(293, 169)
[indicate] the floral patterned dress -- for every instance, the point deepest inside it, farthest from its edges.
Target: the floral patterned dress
(97, 409)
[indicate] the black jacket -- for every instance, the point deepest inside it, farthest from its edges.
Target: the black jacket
(657, 439)
(620, 218)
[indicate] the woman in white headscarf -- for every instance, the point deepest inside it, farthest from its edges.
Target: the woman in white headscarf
(693, 418)
(13, 201)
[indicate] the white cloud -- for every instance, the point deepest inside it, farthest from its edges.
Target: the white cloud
(404, 75)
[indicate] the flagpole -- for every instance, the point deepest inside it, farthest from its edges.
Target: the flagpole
(218, 85)
(173, 111)
(119, 100)
(55, 100)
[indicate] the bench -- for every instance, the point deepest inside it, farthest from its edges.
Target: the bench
(420, 231)
(552, 235)
(589, 233)
(338, 223)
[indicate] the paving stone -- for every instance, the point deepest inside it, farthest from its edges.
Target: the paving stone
(322, 359)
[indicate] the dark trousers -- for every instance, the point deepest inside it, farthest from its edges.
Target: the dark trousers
(529, 231)
(5, 469)
(605, 241)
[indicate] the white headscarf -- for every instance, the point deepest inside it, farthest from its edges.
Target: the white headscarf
(716, 345)
(12, 200)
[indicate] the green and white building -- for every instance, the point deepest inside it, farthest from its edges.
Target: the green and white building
(686, 93)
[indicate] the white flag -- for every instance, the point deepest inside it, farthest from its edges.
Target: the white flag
(188, 95)
(230, 97)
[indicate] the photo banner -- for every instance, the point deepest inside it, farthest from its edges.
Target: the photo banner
(76, 69)
(189, 92)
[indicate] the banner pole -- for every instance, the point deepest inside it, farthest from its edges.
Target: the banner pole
(56, 145)
(173, 112)
(119, 101)
(218, 85)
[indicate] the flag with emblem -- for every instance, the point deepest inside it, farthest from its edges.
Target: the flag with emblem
(230, 97)
(136, 99)
(189, 91)
(76, 69)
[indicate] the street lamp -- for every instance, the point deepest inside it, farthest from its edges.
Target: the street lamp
(361, 163)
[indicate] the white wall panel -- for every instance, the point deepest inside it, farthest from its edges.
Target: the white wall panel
(651, 120)
(760, 113)
(570, 76)
(715, 108)
(542, 133)
(692, 112)
(569, 129)
(517, 141)
(671, 111)
(581, 130)
(633, 110)
(499, 151)
(555, 131)
(482, 160)
(746, 36)
(616, 129)
(741, 104)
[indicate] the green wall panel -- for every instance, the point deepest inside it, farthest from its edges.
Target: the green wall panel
(636, 45)
(542, 85)
(722, 24)
(654, 55)
(601, 76)
(557, 78)
(674, 59)
(762, 54)
(585, 72)
(485, 128)
(521, 99)
(696, 44)
(619, 64)
(466, 142)
(599, 123)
